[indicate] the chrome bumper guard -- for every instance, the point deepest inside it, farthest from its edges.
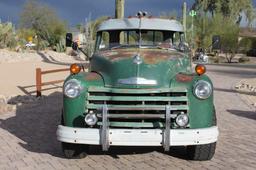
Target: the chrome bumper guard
(105, 129)
(137, 137)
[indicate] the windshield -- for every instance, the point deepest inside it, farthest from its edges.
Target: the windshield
(107, 40)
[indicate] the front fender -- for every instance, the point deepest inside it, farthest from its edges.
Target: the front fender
(201, 112)
(74, 109)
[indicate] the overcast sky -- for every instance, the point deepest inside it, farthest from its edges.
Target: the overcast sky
(75, 11)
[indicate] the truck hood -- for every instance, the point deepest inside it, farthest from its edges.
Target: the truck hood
(138, 68)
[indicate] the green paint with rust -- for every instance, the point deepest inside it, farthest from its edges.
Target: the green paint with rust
(157, 64)
(74, 109)
(106, 68)
(201, 112)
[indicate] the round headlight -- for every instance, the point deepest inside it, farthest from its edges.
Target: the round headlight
(182, 120)
(91, 119)
(203, 89)
(72, 88)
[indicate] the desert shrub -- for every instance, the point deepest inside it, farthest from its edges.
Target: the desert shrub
(245, 44)
(243, 59)
(216, 59)
(7, 35)
(60, 47)
(42, 45)
(23, 37)
(12, 42)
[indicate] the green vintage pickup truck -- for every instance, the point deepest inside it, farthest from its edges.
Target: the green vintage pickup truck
(140, 90)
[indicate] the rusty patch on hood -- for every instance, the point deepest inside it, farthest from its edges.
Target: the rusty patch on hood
(184, 78)
(92, 76)
(118, 54)
(150, 56)
(154, 57)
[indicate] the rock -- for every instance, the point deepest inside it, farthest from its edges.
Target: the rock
(19, 100)
(237, 87)
(2, 99)
(5, 108)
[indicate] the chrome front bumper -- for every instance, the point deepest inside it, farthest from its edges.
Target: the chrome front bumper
(138, 137)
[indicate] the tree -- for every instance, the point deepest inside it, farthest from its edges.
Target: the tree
(229, 39)
(221, 17)
(89, 29)
(171, 15)
(228, 8)
(44, 21)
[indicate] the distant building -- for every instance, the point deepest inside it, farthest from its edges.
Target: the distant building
(78, 36)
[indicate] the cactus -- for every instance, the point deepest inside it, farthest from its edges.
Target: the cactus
(60, 47)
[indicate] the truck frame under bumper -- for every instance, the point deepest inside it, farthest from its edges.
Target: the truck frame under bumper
(137, 137)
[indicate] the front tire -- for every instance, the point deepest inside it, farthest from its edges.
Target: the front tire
(201, 152)
(71, 150)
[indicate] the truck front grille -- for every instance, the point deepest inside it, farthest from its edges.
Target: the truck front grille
(137, 108)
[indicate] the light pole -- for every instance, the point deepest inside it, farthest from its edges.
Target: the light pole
(184, 11)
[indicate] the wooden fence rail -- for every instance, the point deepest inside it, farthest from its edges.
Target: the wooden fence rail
(39, 83)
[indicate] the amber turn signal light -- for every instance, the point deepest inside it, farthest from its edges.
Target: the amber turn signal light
(200, 69)
(75, 69)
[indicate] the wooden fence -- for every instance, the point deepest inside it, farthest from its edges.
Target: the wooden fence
(39, 83)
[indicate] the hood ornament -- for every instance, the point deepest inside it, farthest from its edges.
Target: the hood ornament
(137, 59)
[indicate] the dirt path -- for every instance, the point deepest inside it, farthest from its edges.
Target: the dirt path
(17, 70)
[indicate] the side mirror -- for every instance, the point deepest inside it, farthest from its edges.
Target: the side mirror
(69, 38)
(74, 46)
(183, 47)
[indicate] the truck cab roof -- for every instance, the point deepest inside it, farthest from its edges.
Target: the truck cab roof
(146, 24)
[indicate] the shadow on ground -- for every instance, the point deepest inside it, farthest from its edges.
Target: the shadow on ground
(237, 65)
(116, 151)
(36, 121)
(235, 73)
(235, 91)
(246, 114)
(51, 60)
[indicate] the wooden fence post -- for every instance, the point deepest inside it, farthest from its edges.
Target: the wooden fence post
(38, 82)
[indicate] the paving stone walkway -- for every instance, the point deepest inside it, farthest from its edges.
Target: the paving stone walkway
(28, 141)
